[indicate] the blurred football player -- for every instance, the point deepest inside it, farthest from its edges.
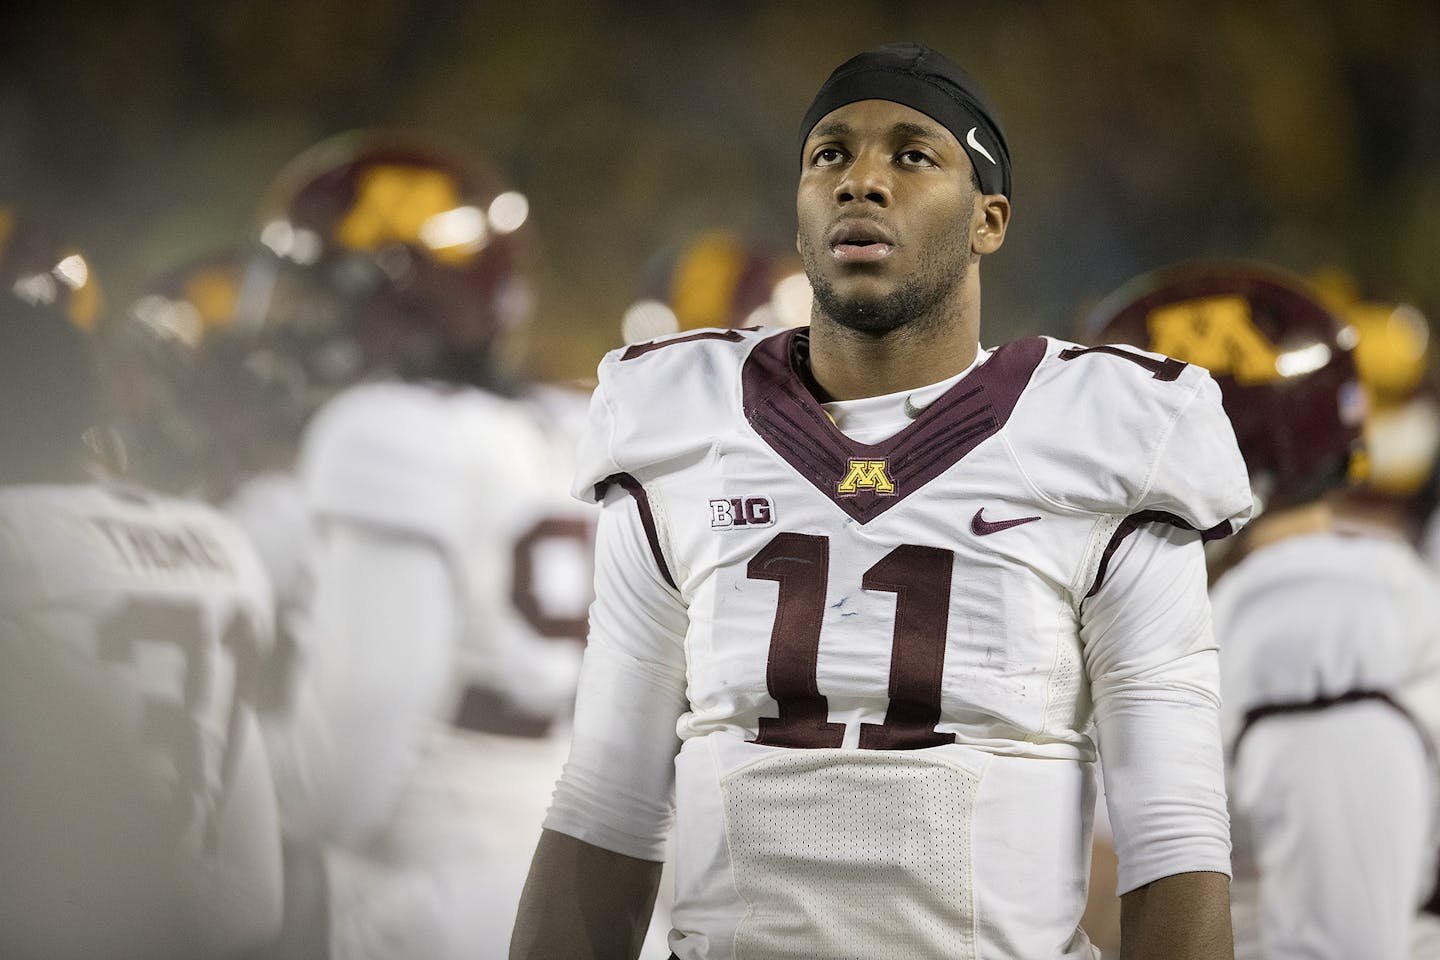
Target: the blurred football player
(214, 394)
(717, 279)
(451, 568)
(863, 587)
(1329, 625)
(137, 811)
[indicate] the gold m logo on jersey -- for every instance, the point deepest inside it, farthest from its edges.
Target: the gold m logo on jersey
(1216, 333)
(867, 475)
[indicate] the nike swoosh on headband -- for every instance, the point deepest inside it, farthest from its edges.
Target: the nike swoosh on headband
(975, 145)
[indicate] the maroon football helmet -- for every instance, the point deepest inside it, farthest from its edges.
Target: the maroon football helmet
(1283, 362)
(205, 399)
(717, 279)
(392, 254)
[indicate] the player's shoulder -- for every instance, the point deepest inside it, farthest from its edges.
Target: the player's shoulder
(1115, 429)
(699, 358)
(1345, 561)
(1119, 373)
(376, 409)
(398, 456)
(375, 423)
(658, 403)
(48, 503)
(1113, 394)
(118, 528)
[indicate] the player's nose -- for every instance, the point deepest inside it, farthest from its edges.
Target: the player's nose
(867, 179)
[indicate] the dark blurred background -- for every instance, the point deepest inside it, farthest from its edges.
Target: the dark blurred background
(1306, 132)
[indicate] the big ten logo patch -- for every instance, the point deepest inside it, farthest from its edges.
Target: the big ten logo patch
(741, 512)
(871, 475)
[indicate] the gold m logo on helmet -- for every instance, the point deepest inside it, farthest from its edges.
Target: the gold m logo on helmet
(866, 475)
(1216, 333)
(394, 203)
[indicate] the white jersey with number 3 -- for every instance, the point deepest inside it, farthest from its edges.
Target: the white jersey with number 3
(883, 659)
(140, 624)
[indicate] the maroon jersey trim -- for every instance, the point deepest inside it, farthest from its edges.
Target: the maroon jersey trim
(1135, 521)
(647, 519)
(1255, 714)
(650, 346)
(789, 418)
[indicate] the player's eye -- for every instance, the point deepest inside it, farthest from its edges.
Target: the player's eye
(827, 157)
(916, 158)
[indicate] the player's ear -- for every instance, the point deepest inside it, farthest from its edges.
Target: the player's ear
(988, 222)
(797, 244)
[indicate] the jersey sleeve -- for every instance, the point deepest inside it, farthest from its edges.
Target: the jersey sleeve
(379, 656)
(1154, 674)
(616, 791)
(660, 404)
(595, 459)
(1128, 433)
(1198, 475)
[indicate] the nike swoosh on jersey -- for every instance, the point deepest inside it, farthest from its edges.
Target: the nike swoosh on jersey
(983, 528)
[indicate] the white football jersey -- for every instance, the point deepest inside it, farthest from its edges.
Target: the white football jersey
(1330, 655)
(883, 676)
(484, 480)
(270, 508)
(141, 623)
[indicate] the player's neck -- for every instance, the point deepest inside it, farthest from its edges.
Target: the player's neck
(848, 365)
(1274, 526)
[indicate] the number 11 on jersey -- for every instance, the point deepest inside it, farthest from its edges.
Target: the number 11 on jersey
(920, 579)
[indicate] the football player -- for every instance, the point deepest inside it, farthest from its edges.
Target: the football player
(215, 393)
(1329, 624)
(452, 569)
(863, 588)
(137, 811)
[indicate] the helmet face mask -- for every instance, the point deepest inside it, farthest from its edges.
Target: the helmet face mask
(1283, 362)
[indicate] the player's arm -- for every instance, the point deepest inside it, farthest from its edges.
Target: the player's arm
(1154, 675)
(384, 638)
(1182, 915)
(592, 883)
(584, 902)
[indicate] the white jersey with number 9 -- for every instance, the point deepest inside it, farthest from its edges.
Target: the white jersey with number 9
(475, 484)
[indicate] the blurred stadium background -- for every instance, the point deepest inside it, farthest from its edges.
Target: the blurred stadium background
(1303, 132)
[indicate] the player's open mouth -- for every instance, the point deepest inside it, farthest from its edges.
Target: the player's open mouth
(863, 252)
(860, 242)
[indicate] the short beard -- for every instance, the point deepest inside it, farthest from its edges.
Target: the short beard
(913, 305)
(917, 304)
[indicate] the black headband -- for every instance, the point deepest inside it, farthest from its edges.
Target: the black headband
(920, 78)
